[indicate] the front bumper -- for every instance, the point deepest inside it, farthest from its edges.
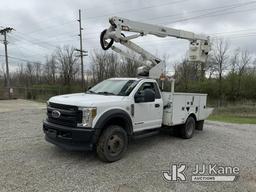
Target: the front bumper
(69, 138)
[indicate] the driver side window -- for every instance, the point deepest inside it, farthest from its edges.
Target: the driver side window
(145, 86)
(151, 86)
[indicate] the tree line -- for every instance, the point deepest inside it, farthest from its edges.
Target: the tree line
(228, 74)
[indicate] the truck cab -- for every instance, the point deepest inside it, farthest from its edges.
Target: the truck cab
(107, 115)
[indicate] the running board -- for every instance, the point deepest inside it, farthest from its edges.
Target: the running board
(143, 134)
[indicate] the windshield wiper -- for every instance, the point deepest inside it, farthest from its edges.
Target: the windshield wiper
(89, 91)
(105, 93)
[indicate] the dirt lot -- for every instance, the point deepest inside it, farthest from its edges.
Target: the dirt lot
(28, 163)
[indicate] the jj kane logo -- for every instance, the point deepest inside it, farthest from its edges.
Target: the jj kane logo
(204, 172)
(176, 173)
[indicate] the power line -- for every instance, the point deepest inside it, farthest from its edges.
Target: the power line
(45, 42)
(59, 25)
(218, 8)
(237, 31)
(129, 10)
(215, 13)
(50, 19)
(207, 15)
(215, 9)
(22, 59)
(93, 17)
(138, 9)
(28, 53)
(165, 5)
(49, 40)
(23, 35)
(28, 47)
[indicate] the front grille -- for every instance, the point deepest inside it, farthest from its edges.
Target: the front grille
(69, 115)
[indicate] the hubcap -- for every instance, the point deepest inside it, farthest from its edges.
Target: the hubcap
(115, 144)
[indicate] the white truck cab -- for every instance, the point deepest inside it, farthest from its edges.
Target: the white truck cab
(107, 115)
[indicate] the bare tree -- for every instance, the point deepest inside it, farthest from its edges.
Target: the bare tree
(65, 56)
(50, 69)
(211, 67)
(2, 73)
(254, 66)
(239, 63)
(21, 76)
(232, 74)
(220, 58)
(128, 66)
(30, 73)
(184, 73)
(53, 68)
(244, 62)
(112, 65)
(105, 65)
(98, 67)
(38, 72)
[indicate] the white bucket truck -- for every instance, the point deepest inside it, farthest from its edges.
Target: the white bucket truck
(110, 113)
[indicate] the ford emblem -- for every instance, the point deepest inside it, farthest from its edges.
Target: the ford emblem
(55, 114)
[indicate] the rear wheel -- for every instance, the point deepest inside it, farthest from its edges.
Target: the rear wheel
(188, 129)
(112, 144)
(200, 125)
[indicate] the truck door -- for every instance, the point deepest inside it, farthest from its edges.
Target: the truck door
(148, 115)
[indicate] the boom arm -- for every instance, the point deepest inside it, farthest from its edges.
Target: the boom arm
(199, 44)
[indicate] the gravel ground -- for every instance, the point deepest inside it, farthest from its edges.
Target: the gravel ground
(28, 163)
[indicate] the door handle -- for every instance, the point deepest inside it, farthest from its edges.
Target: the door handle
(157, 105)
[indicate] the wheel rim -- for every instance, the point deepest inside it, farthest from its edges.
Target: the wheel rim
(115, 144)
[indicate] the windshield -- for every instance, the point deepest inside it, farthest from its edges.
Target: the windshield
(114, 87)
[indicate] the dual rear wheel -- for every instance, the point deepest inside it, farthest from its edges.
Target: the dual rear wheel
(187, 130)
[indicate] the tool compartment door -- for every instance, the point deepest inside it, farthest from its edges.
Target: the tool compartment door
(179, 109)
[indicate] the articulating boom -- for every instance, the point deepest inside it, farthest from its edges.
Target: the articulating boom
(198, 50)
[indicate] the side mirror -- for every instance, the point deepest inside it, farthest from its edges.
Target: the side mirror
(145, 96)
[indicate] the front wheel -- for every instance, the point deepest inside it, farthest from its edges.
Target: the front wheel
(112, 144)
(187, 130)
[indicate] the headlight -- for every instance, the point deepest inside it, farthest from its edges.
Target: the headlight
(88, 115)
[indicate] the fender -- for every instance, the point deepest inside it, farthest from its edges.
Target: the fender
(192, 115)
(112, 114)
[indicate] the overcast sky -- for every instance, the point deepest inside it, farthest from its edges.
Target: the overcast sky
(41, 26)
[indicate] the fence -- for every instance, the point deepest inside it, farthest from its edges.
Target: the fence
(40, 94)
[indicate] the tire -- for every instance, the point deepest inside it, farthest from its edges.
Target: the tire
(200, 125)
(112, 144)
(188, 129)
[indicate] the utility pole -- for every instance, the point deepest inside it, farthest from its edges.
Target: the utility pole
(4, 33)
(82, 52)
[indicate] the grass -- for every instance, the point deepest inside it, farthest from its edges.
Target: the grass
(233, 119)
(240, 114)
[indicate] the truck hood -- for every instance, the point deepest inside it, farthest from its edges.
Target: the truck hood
(85, 100)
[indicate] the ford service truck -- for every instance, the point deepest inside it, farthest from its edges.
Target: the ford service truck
(106, 116)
